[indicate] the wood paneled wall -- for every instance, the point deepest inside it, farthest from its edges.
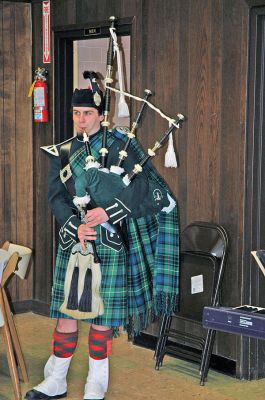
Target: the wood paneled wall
(16, 144)
(194, 55)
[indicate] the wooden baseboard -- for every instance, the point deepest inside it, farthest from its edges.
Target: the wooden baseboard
(34, 306)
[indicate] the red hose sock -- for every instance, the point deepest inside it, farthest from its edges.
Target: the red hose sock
(64, 344)
(100, 343)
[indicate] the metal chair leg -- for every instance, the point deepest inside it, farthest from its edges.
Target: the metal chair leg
(204, 350)
(206, 356)
(161, 332)
(162, 342)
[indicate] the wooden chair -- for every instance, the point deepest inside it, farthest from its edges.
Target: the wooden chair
(14, 353)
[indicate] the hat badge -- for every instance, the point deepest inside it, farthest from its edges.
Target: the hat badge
(97, 99)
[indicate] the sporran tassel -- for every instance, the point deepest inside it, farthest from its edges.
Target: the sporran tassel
(85, 303)
(72, 303)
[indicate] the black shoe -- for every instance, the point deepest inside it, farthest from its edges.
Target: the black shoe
(35, 395)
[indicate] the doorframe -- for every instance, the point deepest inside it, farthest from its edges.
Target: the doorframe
(251, 351)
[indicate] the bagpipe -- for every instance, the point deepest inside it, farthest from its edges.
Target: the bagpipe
(100, 185)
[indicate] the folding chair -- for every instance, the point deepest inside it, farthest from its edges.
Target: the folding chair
(16, 262)
(204, 248)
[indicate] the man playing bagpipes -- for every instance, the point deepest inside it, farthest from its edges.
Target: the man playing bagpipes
(117, 263)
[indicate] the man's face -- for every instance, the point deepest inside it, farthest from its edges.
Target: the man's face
(86, 119)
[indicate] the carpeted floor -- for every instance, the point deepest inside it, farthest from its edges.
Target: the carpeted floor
(132, 373)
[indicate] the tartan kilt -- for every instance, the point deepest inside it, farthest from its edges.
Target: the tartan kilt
(138, 283)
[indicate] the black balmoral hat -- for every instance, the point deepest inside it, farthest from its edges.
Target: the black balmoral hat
(91, 97)
(86, 98)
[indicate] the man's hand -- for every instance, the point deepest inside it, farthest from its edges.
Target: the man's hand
(96, 217)
(85, 232)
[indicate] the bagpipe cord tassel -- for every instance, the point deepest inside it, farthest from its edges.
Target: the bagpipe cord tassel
(85, 303)
(72, 302)
(123, 110)
(170, 156)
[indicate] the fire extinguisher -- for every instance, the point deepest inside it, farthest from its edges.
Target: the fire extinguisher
(39, 90)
